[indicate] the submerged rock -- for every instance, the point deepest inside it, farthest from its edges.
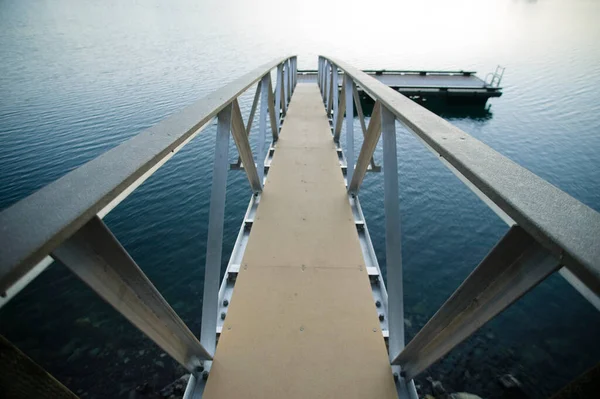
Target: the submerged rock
(512, 386)
(508, 381)
(76, 354)
(94, 352)
(83, 322)
(175, 389)
(437, 388)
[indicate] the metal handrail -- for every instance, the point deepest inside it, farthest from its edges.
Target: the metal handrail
(562, 224)
(34, 226)
(496, 77)
(63, 220)
(548, 228)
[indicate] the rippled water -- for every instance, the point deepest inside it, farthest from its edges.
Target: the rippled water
(79, 77)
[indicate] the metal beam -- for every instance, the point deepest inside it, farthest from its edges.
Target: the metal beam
(214, 245)
(253, 109)
(278, 96)
(367, 149)
(361, 118)
(337, 126)
(272, 115)
(580, 287)
(513, 267)
(393, 241)
(336, 94)
(97, 258)
(286, 87)
(295, 71)
(329, 89)
(347, 94)
(238, 164)
(289, 63)
(264, 106)
(243, 145)
(35, 271)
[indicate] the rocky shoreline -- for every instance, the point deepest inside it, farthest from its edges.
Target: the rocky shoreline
(428, 388)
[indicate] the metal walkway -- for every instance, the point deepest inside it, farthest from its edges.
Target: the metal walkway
(302, 322)
(303, 310)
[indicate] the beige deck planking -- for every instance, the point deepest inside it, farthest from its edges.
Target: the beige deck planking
(302, 322)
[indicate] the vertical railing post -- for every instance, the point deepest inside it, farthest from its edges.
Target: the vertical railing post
(264, 102)
(393, 249)
(278, 96)
(320, 74)
(214, 245)
(286, 72)
(294, 74)
(336, 105)
(330, 87)
(349, 128)
(323, 79)
(327, 86)
(289, 63)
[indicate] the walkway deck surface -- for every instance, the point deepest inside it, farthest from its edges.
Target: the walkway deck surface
(302, 322)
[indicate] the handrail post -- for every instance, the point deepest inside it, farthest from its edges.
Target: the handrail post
(328, 88)
(284, 87)
(271, 108)
(214, 245)
(294, 72)
(337, 127)
(331, 96)
(290, 78)
(278, 96)
(393, 242)
(287, 83)
(320, 75)
(323, 79)
(265, 82)
(336, 96)
(349, 128)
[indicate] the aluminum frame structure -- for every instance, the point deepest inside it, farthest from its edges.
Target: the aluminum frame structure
(548, 229)
(39, 229)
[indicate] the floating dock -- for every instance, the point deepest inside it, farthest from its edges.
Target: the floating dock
(453, 87)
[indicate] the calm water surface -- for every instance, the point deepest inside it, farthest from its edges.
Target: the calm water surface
(79, 77)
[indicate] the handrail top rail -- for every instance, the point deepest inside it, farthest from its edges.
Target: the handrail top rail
(33, 227)
(564, 225)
